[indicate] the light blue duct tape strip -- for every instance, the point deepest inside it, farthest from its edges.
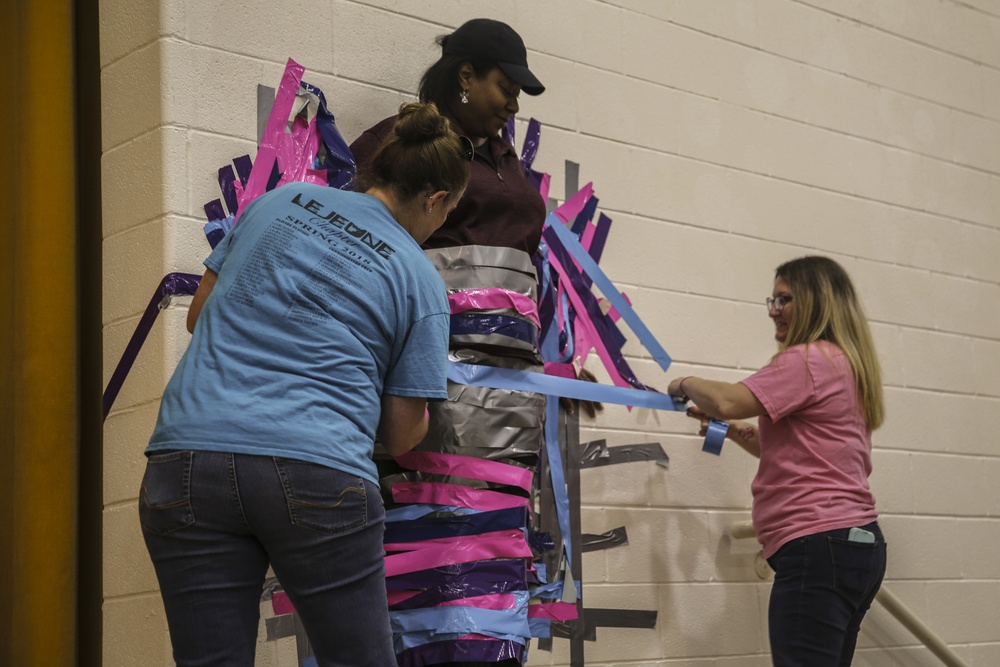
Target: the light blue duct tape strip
(556, 471)
(540, 627)
(715, 436)
(506, 378)
(411, 512)
(552, 591)
(594, 272)
(491, 622)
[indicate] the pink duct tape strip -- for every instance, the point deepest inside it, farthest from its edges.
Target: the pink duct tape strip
(450, 551)
(592, 338)
(544, 188)
(572, 206)
(560, 370)
(496, 601)
(276, 122)
(493, 298)
(453, 494)
(281, 604)
(467, 466)
(554, 611)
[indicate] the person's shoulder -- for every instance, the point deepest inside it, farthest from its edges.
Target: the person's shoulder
(382, 128)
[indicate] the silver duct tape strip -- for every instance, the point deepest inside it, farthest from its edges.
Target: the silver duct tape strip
(485, 422)
(482, 277)
(481, 357)
(616, 537)
(279, 627)
(596, 453)
(481, 255)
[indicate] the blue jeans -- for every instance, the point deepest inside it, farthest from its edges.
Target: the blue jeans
(823, 586)
(212, 523)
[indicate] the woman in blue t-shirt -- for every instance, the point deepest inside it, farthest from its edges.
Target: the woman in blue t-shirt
(318, 326)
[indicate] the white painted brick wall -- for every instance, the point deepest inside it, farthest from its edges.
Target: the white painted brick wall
(723, 137)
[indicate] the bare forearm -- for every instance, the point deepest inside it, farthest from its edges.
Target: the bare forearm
(746, 435)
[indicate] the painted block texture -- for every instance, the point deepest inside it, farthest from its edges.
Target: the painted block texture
(723, 138)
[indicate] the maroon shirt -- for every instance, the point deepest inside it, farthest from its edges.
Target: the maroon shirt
(500, 208)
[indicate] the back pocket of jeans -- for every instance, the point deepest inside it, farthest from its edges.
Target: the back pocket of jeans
(321, 498)
(855, 565)
(165, 495)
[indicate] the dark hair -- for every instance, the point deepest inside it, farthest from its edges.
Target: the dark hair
(439, 84)
(826, 307)
(421, 154)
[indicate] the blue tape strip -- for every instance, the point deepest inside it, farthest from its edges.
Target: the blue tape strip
(540, 627)
(491, 622)
(506, 378)
(551, 591)
(607, 288)
(464, 324)
(430, 528)
(411, 512)
(560, 496)
(715, 436)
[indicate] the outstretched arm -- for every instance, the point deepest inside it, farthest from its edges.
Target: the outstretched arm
(742, 433)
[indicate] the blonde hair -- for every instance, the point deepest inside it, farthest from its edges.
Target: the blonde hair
(422, 154)
(826, 307)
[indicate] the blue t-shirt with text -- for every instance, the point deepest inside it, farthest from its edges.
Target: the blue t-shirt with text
(323, 303)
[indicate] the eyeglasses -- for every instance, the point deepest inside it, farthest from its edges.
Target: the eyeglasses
(777, 302)
(468, 149)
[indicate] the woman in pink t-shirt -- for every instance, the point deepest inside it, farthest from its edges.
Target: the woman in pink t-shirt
(817, 402)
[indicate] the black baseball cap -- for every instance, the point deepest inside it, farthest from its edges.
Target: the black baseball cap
(496, 41)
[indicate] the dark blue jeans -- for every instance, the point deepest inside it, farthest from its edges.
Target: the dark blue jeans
(823, 586)
(212, 523)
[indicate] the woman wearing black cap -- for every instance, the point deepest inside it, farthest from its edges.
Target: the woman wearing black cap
(482, 70)
(475, 84)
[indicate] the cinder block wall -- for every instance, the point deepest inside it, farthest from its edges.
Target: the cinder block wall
(723, 137)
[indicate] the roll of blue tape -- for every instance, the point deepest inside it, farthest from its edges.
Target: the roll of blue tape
(715, 436)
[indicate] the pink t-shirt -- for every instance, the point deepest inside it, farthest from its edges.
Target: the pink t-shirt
(815, 448)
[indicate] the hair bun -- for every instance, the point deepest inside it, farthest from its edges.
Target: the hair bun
(419, 122)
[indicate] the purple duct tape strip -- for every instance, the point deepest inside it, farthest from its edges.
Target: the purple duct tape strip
(466, 524)
(609, 336)
(508, 130)
(432, 553)
(171, 285)
(214, 210)
(244, 165)
(479, 324)
(487, 576)
(607, 288)
(582, 282)
(584, 217)
(596, 248)
(530, 148)
(462, 651)
(227, 183)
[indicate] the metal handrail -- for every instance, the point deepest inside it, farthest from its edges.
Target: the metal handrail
(744, 529)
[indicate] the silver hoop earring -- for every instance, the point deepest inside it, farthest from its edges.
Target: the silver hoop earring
(465, 97)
